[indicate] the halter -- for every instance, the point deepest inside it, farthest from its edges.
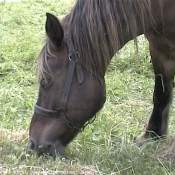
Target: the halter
(73, 66)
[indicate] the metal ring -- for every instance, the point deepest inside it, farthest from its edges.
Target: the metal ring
(70, 56)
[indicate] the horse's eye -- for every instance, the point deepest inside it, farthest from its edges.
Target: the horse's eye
(45, 82)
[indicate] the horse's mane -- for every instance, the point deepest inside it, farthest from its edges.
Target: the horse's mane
(96, 26)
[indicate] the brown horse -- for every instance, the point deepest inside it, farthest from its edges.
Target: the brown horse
(73, 61)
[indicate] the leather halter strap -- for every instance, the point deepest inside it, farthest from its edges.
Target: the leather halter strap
(45, 112)
(73, 65)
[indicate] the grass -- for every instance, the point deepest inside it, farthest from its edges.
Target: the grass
(104, 147)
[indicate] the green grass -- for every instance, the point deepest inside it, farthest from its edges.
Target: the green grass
(104, 147)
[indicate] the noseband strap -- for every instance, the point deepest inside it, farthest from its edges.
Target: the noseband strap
(45, 112)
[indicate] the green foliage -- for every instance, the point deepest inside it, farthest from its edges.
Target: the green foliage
(106, 146)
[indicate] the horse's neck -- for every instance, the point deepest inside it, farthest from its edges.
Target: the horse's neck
(151, 22)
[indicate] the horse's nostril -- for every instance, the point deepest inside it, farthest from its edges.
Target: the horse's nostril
(31, 145)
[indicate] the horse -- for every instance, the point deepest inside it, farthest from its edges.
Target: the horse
(75, 57)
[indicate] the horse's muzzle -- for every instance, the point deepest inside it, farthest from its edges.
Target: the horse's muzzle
(47, 148)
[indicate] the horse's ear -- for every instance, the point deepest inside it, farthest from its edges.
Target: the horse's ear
(54, 29)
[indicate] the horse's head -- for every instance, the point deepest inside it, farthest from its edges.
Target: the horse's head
(69, 94)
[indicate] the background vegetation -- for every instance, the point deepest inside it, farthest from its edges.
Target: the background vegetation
(106, 146)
